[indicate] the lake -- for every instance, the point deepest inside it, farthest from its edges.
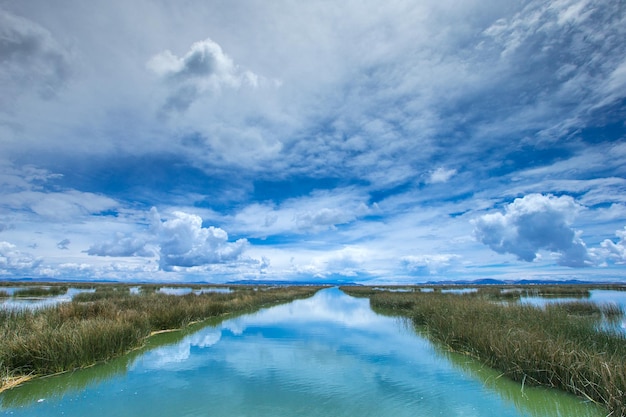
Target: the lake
(329, 355)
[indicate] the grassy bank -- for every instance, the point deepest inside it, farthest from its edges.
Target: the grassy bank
(557, 346)
(110, 322)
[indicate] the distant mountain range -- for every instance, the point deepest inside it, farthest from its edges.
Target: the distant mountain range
(490, 281)
(484, 281)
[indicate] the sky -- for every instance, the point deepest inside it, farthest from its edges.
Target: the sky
(364, 141)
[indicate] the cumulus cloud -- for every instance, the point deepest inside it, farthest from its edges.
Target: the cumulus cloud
(204, 68)
(615, 252)
(29, 58)
(184, 242)
(12, 259)
(533, 223)
(180, 241)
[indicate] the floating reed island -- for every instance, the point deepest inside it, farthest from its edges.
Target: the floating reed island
(560, 345)
(97, 326)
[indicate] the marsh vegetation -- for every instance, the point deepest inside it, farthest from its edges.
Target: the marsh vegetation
(96, 326)
(559, 345)
(33, 292)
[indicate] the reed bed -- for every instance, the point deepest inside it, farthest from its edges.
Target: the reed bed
(499, 293)
(39, 291)
(558, 345)
(557, 291)
(98, 326)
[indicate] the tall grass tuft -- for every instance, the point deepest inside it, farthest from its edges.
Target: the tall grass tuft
(558, 346)
(612, 311)
(40, 291)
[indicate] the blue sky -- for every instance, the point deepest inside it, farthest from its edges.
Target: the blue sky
(367, 141)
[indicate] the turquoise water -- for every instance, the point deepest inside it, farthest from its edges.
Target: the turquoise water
(329, 355)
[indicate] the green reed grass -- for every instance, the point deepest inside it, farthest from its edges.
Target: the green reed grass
(612, 311)
(558, 346)
(94, 328)
(577, 291)
(499, 293)
(39, 291)
(4, 294)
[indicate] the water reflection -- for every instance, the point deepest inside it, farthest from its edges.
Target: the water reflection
(327, 355)
(460, 290)
(35, 303)
(189, 290)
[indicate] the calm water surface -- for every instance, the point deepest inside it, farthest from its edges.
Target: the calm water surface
(34, 303)
(189, 290)
(329, 355)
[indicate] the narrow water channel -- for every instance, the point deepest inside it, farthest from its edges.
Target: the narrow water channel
(329, 355)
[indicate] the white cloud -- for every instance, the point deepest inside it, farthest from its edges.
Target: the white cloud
(615, 252)
(323, 218)
(205, 68)
(317, 212)
(613, 212)
(13, 260)
(68, 205)
(34, 190)
(348, 261)
(432, 264)
(122, 245)
(616, 83)
(23, 178)
(184, 242)
(205, 59)
(533, 223)
(440, 175)
(180, 242)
